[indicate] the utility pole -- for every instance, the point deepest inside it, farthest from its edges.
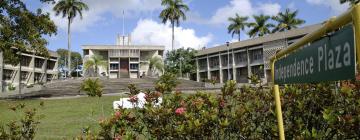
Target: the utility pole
(228, 60)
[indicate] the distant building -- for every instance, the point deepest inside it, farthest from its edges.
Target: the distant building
(124, 59)
(45, 70)
(246, 57)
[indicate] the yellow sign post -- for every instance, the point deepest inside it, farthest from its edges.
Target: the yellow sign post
(332, 24)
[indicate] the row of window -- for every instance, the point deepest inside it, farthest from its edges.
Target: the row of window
(116, 66)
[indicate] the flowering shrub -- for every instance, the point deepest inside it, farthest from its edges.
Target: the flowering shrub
(309, 112)
(24, 128)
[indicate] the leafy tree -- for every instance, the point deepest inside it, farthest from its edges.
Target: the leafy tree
(173, 12)
(351, 2)
(260, 27)
(94, 62)
(70, 9)
(63, 53)
(287, 20)
(237, 24)
(184, 56)
(23, 30)
(156, 64)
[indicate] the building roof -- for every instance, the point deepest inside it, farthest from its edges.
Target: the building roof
(53, 53)
(120, 47)
(260, 40)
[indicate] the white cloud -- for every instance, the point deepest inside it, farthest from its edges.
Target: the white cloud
(151, 32)
(99, 8)
(334, 5)
(243, 8)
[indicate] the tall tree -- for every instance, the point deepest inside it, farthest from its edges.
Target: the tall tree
(351, 2)
(174, 11)
(237, 24)
(187, 56)
(156, 63)
(261, 26)
(63, 54)
(94, 62)
(70, 9)
(287, 20)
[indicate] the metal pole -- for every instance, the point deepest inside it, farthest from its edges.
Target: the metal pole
(277, 103)
(356, 24)
(20, 73)
(180, 67)
(228, 60)
(77, 67)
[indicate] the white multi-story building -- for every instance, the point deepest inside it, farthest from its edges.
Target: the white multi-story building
(34, 69)
(246, 57)
(124, 59)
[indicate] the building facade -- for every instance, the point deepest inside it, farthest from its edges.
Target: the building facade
(124, 60)
(34, 69)
(247, 57)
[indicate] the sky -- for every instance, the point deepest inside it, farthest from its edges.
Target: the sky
(205, 26)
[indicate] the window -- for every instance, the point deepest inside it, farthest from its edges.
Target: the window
(224, 60)
(37, 77)
(258, 70)
(214, 62)
(202, 64)
(24, 75)
(114, 66)
(240, 57)
(50, 65)
(257, 55)
(38, 63)
(134, 66)
(25, 61)
(7, 74)
(49, 77)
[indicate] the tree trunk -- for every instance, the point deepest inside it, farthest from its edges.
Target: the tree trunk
(172, 43)
(69, 48)
(33, 67)
(239, 36)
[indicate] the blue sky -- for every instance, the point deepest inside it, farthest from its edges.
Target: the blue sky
(206, 23)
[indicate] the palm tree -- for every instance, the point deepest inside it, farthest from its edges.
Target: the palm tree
(287, 21)
(156, 63)
(173, 12)
(260, 27)
(94, 62)
(70, 9)
(237, 24)
(351, 2)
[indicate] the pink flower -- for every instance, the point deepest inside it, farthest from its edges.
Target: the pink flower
(117, 114)
(133, 99)
(180, 111)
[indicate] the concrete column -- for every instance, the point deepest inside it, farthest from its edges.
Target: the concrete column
(197, 70)
(32, 66)
(43, 71)
(233, 65)
(2, 82)
(248, 63)
(220, 69)
(208, 67)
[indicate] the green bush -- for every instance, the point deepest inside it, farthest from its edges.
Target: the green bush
(313, 111)
(11, 87)
(92, 87)
(166, 83)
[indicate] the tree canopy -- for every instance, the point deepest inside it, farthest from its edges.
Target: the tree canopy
(287, 20)
(23, 30)
(261, 26)
(184, 56)
(63, 54)
(237, 24)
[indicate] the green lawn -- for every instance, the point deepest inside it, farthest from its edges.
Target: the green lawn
(64, 118)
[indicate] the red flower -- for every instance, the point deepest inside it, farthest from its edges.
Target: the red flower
(180, 111)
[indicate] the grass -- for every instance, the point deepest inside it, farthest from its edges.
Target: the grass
(64, 118)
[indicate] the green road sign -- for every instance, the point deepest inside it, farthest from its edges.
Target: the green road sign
(328, 59)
